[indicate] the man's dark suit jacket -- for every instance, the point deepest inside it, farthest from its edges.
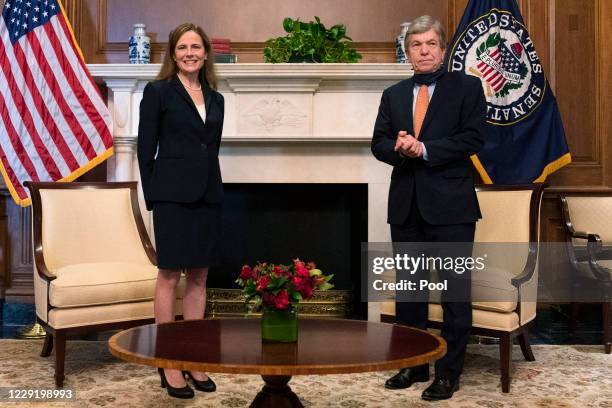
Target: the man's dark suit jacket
(186, 167)
(453, 130)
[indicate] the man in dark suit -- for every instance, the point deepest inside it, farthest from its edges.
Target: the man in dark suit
(427, 128)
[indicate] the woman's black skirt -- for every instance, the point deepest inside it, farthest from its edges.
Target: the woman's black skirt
(187, 235)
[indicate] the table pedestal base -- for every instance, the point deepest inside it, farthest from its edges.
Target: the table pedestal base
(276, 393)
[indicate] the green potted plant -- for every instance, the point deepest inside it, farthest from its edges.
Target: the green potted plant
(311, 42)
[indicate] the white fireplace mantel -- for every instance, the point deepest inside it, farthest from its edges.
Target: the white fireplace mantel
(254, 70)
(265, 102)
(284, 123)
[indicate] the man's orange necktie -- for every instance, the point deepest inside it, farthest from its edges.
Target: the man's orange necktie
(422, 102)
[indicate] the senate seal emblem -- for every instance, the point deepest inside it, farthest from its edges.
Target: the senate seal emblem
(497, 48)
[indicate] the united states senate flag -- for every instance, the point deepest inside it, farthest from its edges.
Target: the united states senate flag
(54, 125)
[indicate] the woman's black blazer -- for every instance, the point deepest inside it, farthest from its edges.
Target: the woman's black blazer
(178, 154)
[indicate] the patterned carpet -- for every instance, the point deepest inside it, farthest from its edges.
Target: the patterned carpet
(561, 376)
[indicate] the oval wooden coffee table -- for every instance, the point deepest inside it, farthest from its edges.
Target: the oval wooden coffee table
(324, 346)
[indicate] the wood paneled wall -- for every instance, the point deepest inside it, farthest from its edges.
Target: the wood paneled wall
(5, 275)
(18, 252)
(102, 27)
(571, 38)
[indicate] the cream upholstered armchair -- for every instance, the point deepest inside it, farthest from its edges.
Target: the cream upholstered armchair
(510, 214)
(94, 265)
(588, 226)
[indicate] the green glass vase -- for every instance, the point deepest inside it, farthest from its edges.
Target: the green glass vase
(279, 326)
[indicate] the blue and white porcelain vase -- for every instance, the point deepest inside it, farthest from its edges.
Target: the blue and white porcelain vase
(140, 45)
(400, 50)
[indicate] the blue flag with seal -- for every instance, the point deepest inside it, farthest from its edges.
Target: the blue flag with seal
(525, 136)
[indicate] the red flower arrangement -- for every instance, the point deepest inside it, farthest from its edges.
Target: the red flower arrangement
(281, 287)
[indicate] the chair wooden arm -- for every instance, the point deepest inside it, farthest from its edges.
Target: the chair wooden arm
(534, 238)
(569, 227)
(41, 267)
(581, 234)
(529, 268)
(39, 259)
(595, 250)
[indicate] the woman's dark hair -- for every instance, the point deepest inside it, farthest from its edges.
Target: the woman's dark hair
(169, 67)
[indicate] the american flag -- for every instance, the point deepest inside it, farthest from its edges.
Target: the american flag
(54, 125)
(496, 73)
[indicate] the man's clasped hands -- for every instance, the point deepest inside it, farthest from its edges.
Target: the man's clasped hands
(408, 145)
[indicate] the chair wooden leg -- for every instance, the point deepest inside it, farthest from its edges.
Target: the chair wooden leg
(47, 346)
(60, 357)
(505, 357)
(607, 320)
(523, 339)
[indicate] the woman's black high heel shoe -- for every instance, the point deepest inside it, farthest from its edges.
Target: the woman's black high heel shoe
(184, 392)
(204, 386)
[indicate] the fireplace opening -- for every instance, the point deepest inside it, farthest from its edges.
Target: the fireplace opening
(325, 223)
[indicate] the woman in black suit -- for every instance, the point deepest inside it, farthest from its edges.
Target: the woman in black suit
(179, 134)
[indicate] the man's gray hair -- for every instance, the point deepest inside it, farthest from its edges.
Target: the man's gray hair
(425, 23)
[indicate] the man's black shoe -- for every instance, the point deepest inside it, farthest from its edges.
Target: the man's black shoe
(440, 389)
(406, 377)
